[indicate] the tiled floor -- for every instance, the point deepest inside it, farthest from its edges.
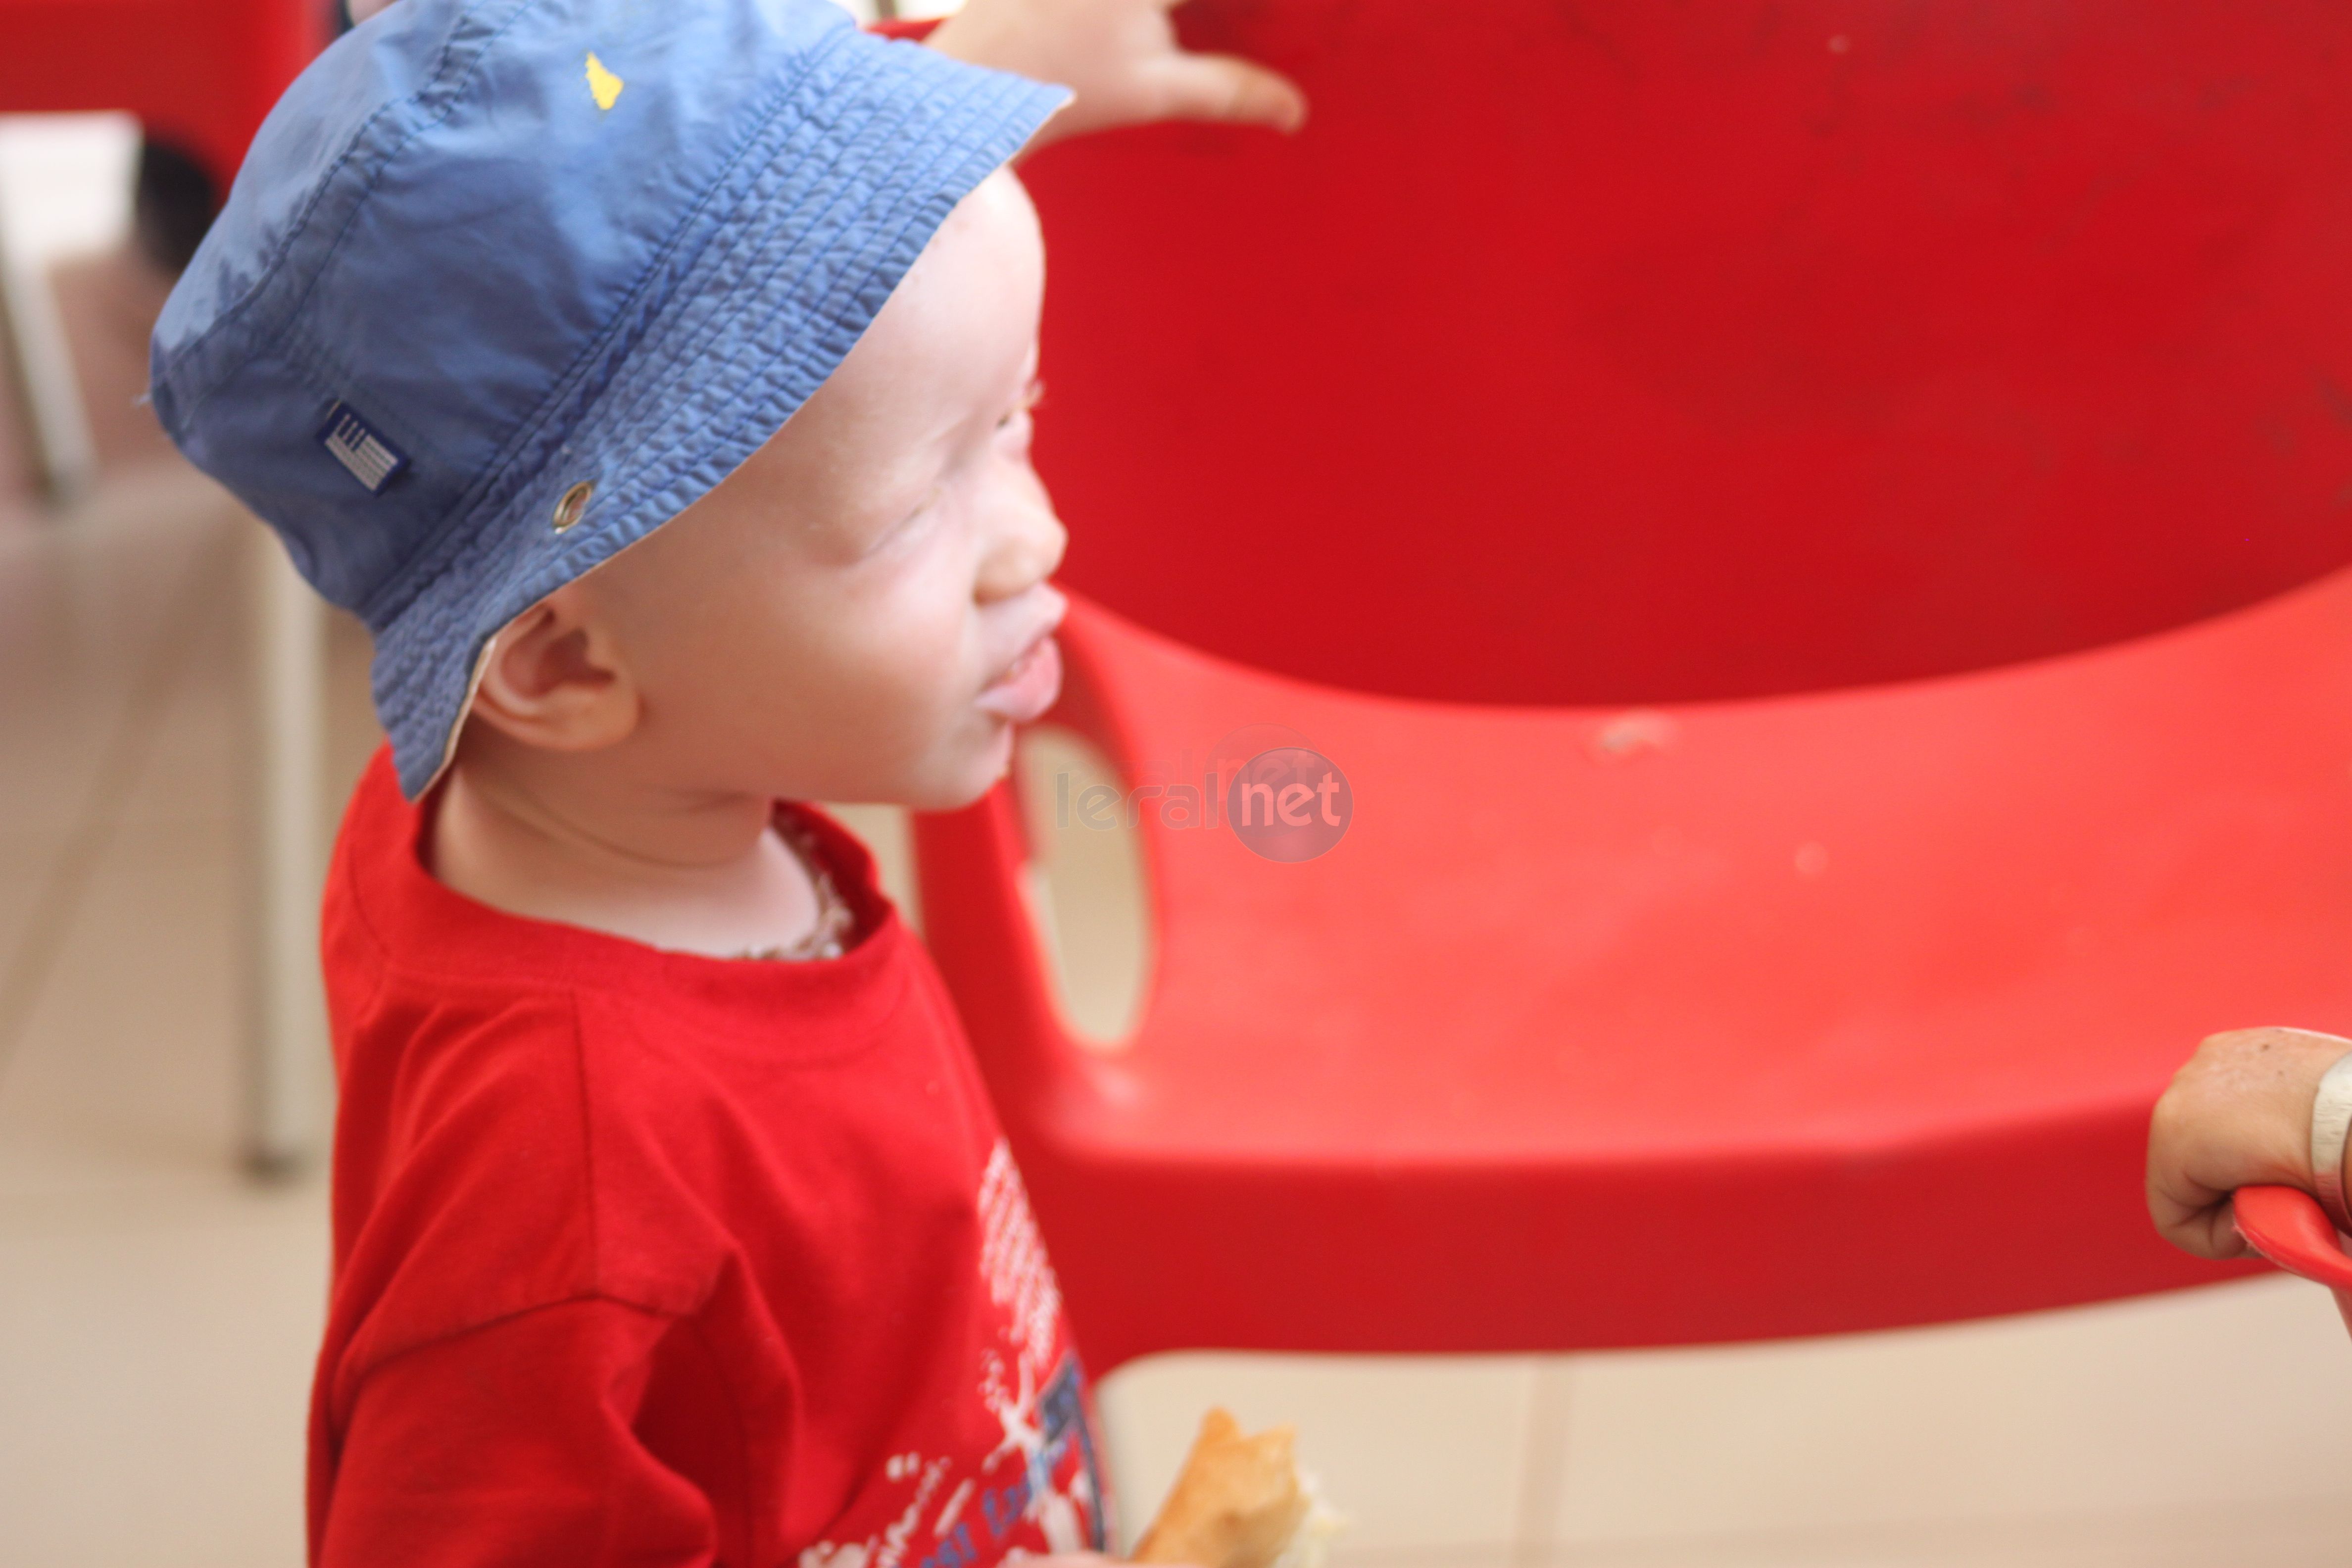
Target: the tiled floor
(157, 1314)
(2197, 1429)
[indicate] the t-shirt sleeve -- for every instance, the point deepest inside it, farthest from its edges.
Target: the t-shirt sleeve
(534, 1440)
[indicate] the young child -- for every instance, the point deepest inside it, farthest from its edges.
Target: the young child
(654, 380)
(2240, 1114)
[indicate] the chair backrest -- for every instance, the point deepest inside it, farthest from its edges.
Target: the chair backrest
(1583, 351)
(200, 74)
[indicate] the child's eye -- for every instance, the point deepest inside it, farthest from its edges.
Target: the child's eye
(1031, 395)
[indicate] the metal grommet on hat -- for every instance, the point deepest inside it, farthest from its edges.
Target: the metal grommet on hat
(573, 506)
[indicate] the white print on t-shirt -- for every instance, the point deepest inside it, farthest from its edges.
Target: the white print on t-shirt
(888, 1549)
(1013, 1261)
(1015, 1410)
(1043, 1471)
(1054, 1508)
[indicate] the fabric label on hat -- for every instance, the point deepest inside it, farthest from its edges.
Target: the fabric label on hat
(361, 448)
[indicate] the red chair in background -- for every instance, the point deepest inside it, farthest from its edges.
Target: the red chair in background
(200, 76)
(199, 79)
(1808, 530)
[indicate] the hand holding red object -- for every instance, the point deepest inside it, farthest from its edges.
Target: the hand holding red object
(2238, 1115)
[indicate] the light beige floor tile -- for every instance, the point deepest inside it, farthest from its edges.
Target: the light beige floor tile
(188, 774)
(1348, 1550)
(1418, 1452)
(26, 866)
(91, 603)
(2289, 1536)
(154, 1371)
(2226, 1398)
(196, 766)
(114, 598)
(126, 1069)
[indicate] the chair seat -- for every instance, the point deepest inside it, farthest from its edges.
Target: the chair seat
(1749, 1019)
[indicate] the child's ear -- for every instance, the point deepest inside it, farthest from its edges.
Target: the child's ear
(555, 679)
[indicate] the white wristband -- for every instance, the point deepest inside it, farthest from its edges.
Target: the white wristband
(2331, 1122)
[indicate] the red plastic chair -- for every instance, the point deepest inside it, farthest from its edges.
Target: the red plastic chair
(1902, 407)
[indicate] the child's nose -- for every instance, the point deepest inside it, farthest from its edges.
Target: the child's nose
(1027, 549)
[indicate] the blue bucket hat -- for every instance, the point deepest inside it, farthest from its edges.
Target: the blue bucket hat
(504, 285)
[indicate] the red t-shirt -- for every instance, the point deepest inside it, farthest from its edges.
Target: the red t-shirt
(647, 1259)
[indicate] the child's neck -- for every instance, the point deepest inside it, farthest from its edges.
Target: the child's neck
(709, 875)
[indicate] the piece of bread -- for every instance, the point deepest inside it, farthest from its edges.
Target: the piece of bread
(1239, 1502)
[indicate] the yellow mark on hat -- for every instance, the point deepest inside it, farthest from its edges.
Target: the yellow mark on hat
(603, 84)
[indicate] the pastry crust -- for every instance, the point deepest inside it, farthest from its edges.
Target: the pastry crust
(1237, 1503)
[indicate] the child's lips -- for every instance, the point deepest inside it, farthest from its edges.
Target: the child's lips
(1025, 690)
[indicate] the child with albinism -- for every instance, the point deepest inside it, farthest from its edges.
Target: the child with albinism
(655, 381)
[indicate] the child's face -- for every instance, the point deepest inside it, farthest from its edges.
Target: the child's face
(861, 611)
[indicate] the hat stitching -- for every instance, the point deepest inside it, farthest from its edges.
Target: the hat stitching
(854, 277)
(628, 508)
(268, 274)
(511, 469)
(827, 306)
(857, 276)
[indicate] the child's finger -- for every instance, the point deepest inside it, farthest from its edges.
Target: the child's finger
(1226, 88)
(2190, 1203)
(2210, 1231)
(2217, 1235)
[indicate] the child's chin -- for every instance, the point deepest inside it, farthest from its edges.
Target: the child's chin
(970, 777)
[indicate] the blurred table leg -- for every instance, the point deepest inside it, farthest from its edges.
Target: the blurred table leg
(286, 1051)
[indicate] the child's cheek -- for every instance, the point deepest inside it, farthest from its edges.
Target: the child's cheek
(920, 669)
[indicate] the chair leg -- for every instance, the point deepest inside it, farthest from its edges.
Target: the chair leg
(48, 393)
(285, 1049)
(65, 190)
